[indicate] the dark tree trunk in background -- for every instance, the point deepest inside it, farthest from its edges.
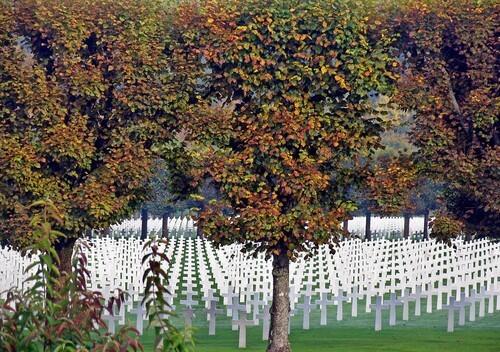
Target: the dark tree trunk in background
(280, 309)
(426, 224)
(144, 225)
(345, 226)
(64, 249)
(88, 233)
(164, 225)
(368, 232)
(406, 226)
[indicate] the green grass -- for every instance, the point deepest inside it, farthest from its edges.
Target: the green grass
(424, 333)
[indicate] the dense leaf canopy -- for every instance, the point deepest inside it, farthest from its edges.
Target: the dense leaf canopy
(86, 91)
(449, 77)
(287, 107)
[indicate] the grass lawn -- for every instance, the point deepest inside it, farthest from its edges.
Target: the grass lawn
(424, 333)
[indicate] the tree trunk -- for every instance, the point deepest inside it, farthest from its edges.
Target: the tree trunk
(368, 231)
(144, 223)
(64, 249)
(406, 226)
(164, 226)
(426, 224)
(345, 225)
(280, 309)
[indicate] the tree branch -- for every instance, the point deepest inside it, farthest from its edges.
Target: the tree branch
(453, 99)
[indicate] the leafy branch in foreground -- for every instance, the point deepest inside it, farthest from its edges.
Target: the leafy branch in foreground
(167, 336)
(55, 313)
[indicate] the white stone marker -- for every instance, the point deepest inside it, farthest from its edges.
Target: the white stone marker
(242, 324)
(417, 296)
(354, 300)
(212, 312)
(430, 286)
(266, 317)
(405, 300)
(482, 298)
(491, 298)
(461, 305)
(110, 321)
(188, 317)
(292, 294)
(255, 303)
(209, 298)
(228, 299)
(189, 302)
(306, 307)
(340, 299)
(323, 303)
(393, 303)
(140, 314)
(235, 309)
(378, 306)
(452, 307)
(472, 300)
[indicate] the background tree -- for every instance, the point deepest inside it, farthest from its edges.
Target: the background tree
(174, 203)
(86, 91)
(282, 121)
(449, 56)
(389, 186)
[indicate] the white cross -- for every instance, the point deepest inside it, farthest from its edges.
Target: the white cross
(340, 298)
(307, 307)
(256, 302)
(461, 305)
(212, 313)
(111, 319)
(378, 306)
(393, 303)
(209, 298)
(235, 309)
(188, 317)
(482, 297)
(451, 314)
(242, 324)
(323, 303)
(139, 312)
(265, 316)
(472, 300)
(228, 297)
(405, 300)
(418, 296)
(354, 300)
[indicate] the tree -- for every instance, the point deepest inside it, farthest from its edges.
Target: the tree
(86, 92)
(286, 111)
(389, 186)
(449, 77)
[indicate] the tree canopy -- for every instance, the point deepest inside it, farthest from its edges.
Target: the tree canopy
(86, 92)
(287, 109)
(449, 77)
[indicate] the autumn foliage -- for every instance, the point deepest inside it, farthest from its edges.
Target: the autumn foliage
(389, 186)
(286, 110)
(85, 94)
(282, 113)
(449, 77)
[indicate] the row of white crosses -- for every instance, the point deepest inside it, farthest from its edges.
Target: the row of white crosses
(415, 270)
(176, 226)
(381, 227)
(386, 274)
(13, 270)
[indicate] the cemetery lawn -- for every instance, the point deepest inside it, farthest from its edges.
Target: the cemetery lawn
(419, 334)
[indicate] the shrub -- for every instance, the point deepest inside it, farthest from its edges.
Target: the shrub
(60, 313)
